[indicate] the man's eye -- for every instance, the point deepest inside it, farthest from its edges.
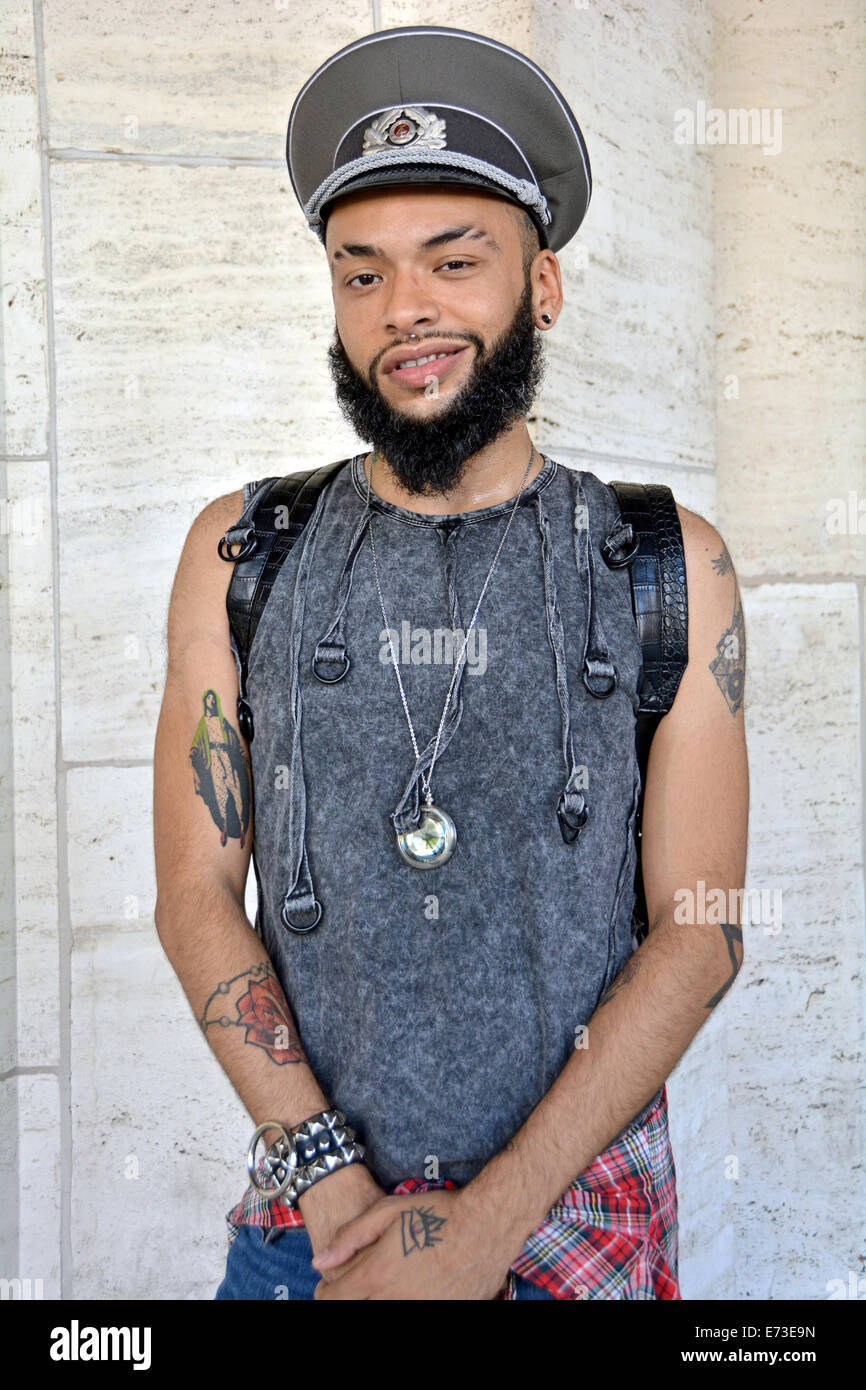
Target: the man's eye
(370, 275)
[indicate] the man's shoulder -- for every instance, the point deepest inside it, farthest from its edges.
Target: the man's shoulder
(703, 544)
(711, 580)
(221, 512)
(696, 529)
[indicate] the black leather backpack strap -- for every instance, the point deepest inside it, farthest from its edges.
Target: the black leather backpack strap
(657, 570)
(275, 514)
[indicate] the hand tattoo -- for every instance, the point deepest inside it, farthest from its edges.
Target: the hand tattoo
(418, 1227)
(221, 773)
(732, 933)
(262, 1010)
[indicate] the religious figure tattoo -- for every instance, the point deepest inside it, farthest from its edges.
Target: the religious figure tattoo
(732, 933)
(625, 977)
(418, 1227)
(221, 772)
(254, 1000)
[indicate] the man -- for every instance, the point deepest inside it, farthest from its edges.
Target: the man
(496, 1045)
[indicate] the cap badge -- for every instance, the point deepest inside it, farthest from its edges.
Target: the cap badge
(405, 125)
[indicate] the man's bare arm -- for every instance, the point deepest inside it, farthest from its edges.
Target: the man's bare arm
(203, 835)
(694, 828)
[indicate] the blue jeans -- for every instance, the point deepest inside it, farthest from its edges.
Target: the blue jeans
(276, 1264)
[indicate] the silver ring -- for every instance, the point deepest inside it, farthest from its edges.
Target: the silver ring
(251, 1160)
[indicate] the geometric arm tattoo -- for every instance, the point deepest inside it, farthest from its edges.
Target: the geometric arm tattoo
(729, 665)
(632, 966)
(732, 933)
(254, 1000)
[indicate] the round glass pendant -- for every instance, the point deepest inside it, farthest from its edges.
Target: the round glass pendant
(431, 842)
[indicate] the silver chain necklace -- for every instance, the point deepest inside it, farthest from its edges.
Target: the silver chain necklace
(433, 839)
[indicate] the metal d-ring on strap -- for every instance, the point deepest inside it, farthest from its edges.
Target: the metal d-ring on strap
(597, 663)
(341, 654)
(243, 533)
(331, 646)
(293, 923)
(622, 534)
(247, 548)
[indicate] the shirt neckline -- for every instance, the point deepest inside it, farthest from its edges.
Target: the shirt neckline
(381, 504)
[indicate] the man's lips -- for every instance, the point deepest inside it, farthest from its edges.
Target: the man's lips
(419, 376)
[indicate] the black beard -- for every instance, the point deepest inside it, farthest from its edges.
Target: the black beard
(428, 457)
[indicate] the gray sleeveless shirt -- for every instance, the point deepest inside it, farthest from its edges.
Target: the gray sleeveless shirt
(437, 1006)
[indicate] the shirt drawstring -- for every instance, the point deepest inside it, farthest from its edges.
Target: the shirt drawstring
(331, 648)
(300, 902)
(599, 675)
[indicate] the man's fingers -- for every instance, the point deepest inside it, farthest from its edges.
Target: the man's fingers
(355, 1234)
(330, 1273)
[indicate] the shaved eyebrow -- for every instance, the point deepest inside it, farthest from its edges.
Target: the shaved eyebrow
(357, 248)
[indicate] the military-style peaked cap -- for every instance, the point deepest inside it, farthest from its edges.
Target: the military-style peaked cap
(426, 104)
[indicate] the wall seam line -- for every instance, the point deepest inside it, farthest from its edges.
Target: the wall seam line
(63, 915)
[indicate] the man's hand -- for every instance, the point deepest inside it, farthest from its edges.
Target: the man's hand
(430, 1245)
(332, 1203)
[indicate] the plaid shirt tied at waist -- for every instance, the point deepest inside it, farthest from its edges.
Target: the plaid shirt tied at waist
(612, 1234)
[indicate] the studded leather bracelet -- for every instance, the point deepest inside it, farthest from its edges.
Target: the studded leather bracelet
(304, 1155)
